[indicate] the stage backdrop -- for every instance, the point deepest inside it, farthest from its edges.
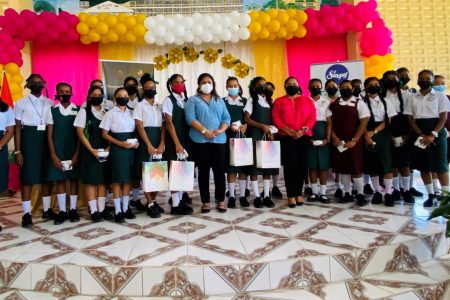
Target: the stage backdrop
(339, 71)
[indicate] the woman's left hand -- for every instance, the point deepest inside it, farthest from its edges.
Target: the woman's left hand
(427, 140)
(160, 149)
(350, 144)
(324, 142)
(74, 160)
(243, 128)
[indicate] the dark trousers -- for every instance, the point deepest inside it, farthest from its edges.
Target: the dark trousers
(209, 156)
(294, 160)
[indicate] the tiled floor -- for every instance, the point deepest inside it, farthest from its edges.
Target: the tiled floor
(316, 251)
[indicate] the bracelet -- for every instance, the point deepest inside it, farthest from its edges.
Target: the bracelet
(355, 139)
(17, 152)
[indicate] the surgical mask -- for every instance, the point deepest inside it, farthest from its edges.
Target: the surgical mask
(424, 84)
(96, 101)
(150, 94)
(405, 79)
(356, 91)
(131, 89)
(373, 89)
(36, 87)
(260, 90)
(331, 91)
(233, 91)
(439, 88)
(63, 98)
(292, 90)
(346, 93)
(268, 93)
(206, 88)
(315, 91)
(122, 101)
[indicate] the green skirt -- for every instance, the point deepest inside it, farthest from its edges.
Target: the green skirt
(319, 157)
(122, 160)
(142, 155)
(54, 174)
(4, 166)
(92, 171)
(379, 160)
(33, 144)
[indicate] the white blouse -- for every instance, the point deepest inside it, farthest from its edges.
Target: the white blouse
(150, 115)
(118, 121)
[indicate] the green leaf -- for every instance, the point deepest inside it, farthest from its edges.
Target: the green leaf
(440, 211)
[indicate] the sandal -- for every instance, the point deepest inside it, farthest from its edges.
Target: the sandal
(221, 207)
(300, 203)
(205, 208)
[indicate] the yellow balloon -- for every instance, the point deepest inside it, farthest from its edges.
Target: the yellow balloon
(120, 29)
(104, 40)
(291, 12)
(281, 33)
(83, 16)
(130, 21)
(121, 17)
(139, 30)
(17, 78)
(111, 21)
(112, 36)
(17, 96)
(272, 36)
(255, 27)
(301, 17)
(264, 18)
(291, 26)
(289, 36)
(300, 32)
(122, 39)
(102, 16)
(85, 40)
(264, 33)
(254, 15)
(283, 17)
(273, 13)
(12, 68)
(253, 37)
(130, 38)
(141, 41)
(83, 28)
(102, 28)
(274, 26)
(94, 36)
(15, 88)
(140, 18)
(92, 21)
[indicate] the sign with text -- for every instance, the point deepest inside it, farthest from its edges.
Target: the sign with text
(339, 71)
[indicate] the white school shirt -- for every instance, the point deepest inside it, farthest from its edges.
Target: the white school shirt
(363, 110)
(393, 99)
(428, 106)
(249, 106)
(7, 119)
(236, 102)
(322, 106)
(118, 121)
(133, 103)
(378, 109)
(32, 111)
(168, 105)
(68, 111)
(106, 104)
(80, 119)
(150, 114)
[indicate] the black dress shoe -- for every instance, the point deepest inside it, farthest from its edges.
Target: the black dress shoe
(396, 195)
(181, 210)
(308, 191)
(27, 222)
(268, 202)
(49, 214)
(247, 192)
(377, 198)
(389, 200)
(60, 218)
(324, 199)
(185, 197)
(430, 201)
(313, 198)
(338, 194)
(153, 212)
(346, 199)
(368, 190)
(227, 194)
(244, 202)
(129, 214)
(361, 200)
(258, 202)
(159, 208)
(415, 192)
(73, 215)
(299, 203)
(105, 214)
(138, 205)
(276, 192)
(354, 193)
(231, 202)
(96, 217)
(408, 197)
(119, 218)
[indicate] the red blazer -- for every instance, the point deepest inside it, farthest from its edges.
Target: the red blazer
(294, 113)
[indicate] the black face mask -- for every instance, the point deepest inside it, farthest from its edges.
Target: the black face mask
(356, 91)
(391, 84)
(260, 90)
(150, 94)
(36, 88)
(346, 93)
(331, 91)
(96, 101)
(122, 101)
(373, 89)
(405, 80)
(315, 91)
(64, 98)
(131, 89)
(424, 84)
(292, 90)
(269, 93)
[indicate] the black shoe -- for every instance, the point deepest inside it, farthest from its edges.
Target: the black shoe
(138, 205)
(244, 202)
(346, 199)
(159, 208)
(60, 218)
(181, 210)
(119, 218)
(96, 217)
(354, 193)
(276, 192)
(106, 215)
(408, 197)
(247, 192)
(27, 222)
(389, 200)
(308, 191)
(231, 202)
(377, 198)
(338, 194)
(227, 194)
(313, 198)
(111, 209)
(268, 202)
(185, 198)
(49, 214)
(258, 202)
(129, 214)
(292, 205)
(415, 192)
(430, 201)
(73, 215)
(396, 195)
(324, 199)
(361, 200)
(368, 190)
(153, 212)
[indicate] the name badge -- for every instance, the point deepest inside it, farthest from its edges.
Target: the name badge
(41, 127)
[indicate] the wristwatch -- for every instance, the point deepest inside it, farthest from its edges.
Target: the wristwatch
(375, 131)
(435, 133)
(204, 131)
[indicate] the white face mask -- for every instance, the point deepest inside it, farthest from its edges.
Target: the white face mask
(206, 88)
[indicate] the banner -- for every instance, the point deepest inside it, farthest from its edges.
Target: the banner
(339, 71)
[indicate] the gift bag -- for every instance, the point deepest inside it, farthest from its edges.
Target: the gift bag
(241, 151)
(268, 155)
(155, 176)
(181, 176)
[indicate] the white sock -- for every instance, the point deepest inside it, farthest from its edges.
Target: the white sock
(396, 183)
(180, 195)
(405, 183)
(136, 194)
(255, 188)
(242, 185)
(275, 180)
(117, 205)
(73, 201)
(347, 181)
(175, 199)
(231, 186)
(411, 180)
(93, 206)
(314, 188)
(125, 200)
(248, 182)
(323, 189)
(436, 185)
(366, 178)
(101, 203)
(375, 183)
(61, 201)
(266, 188)
(359, 186)
(338, 184)
(46, 202)
(388, 186)
(430, 189)
(26, 206)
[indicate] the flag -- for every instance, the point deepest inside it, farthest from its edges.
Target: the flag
(6, 93)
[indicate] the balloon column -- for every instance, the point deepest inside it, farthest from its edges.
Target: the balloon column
(277, 23)
(15, 79)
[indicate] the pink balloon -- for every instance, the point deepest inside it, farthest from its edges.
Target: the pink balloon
(339, 12)
(53, 35)
(320, 31)
(11, 13)
(73, 35)
(372, 4)
(4, 58)
(338, 28)
(329, 22)
(311, 24)
(61, 26)
(311, 12)
(43, 39)
(326, 10)
(40, 26)
(18, 43)
(64, 14)
(18, 61)
(378, 23)
(6, 38)
(28, 35)
(72, 20)
(28, 16)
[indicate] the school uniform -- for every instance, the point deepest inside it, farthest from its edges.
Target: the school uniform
(65, 140)
(92, 170)
(261, 112)
(152, 117)
(319, 157)
(106, 105)
(346, 116)
(378, 159)
(425, 111)
(120, 126)
(32, 112)
(6, 120)
(131, 105)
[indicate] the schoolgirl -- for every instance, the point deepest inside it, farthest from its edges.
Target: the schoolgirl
(7, 125)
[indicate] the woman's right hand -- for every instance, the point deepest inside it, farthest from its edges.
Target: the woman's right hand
(209, 134)
(336, 141)
(126, 145)
(179, 148)
(94, 153)
(56, 162)
(19, 159)
(266, 129)
(151, 150)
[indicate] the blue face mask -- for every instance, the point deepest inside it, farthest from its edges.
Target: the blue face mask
(233, 91)
(439, 88)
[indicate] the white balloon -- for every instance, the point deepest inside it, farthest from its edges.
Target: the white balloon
(169, 22)
(149, 38)
(198, 30)
(244, 34)
(179, 41)
(244, 20)
(196, 16)
(160, 42)
(169, 39)
(188, 37)
(159, 19)
(178, 18)
(179, 30)
(188, 22)
(197, 41)
(234, 28)
(207, 21)
(216, 40)
(234, 15)
(226, 35)
(216, 29)
(207, 36)
(234, 38)
(217, 17)
(226, 21)
(149, 22)
(159, 30)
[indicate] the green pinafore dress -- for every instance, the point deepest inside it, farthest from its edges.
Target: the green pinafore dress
(141, 155)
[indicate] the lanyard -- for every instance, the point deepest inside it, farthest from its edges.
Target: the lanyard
(42, 110)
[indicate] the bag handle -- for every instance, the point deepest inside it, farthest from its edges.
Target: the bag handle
(264, 138)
